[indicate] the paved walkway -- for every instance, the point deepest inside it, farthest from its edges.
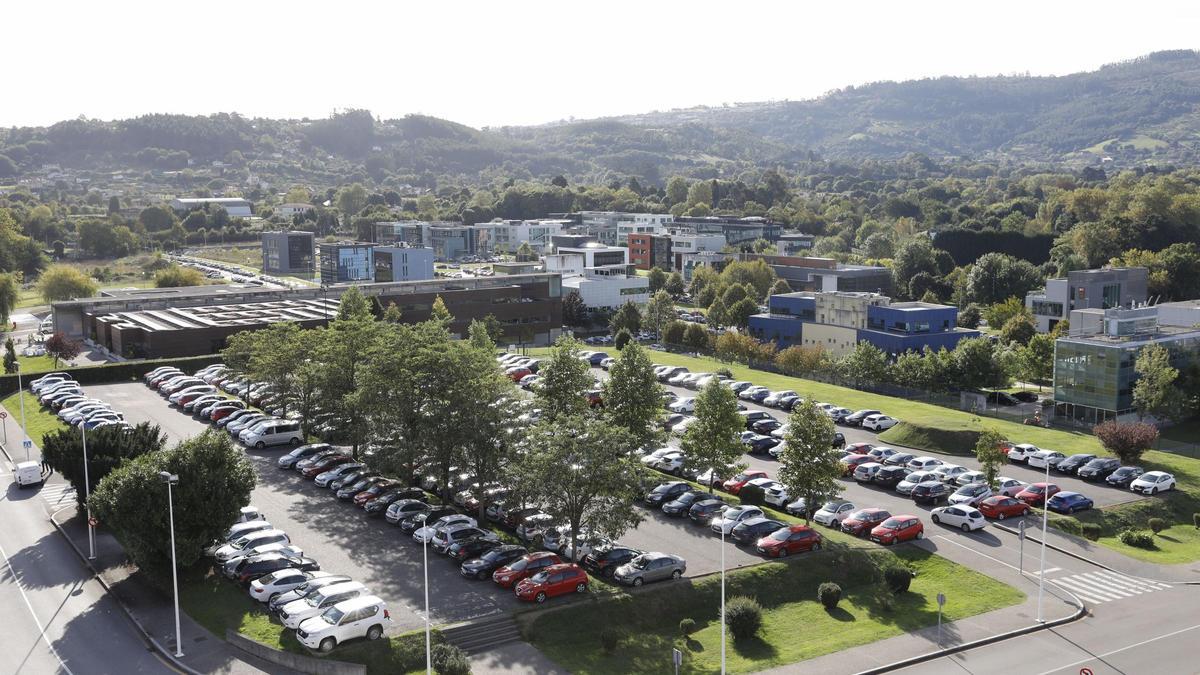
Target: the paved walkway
(1184, 572)
(514, 658)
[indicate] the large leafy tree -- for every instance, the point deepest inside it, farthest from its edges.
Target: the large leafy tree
(215, 481)
(343, 354)
(9, 289)
(63, 282)
(566, 379)
(579, 469)
(989, 450)
(659, 312)
(107, 448)
(657, 278)
(627, 317)
(1154, 391)
(574, 311)
(632, 396)
(810, 465)
(713, 441)
(865, 364)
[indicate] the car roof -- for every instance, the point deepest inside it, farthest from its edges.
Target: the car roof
(358, 603)
(1155, 474)
(342, 586)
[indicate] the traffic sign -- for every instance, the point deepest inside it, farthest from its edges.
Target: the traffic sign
(27, 444)
(93, 522)
(941, 598)
(3, 414)
(1085, 671)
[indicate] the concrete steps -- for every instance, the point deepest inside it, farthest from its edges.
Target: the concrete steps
(479, 636)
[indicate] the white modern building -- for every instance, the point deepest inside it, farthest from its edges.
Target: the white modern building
(508, 235)
(613, 228)
(598, 255)
(234, 206)
(1105, 288)
(607, 287)
(685, 244)
(291, 210)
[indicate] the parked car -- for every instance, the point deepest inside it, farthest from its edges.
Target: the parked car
(1001, 507)
(949, 473)
(890, 476)
(681, 503)
(965, 518)
(732, 517)
(523, 567)
(305, 590)
(759, 444)
(752, 416)
(912, 480)
(1019, 453)
(683, 405)
(924, 464)
(1099, 468)
(484, 565)
(971, 494)
(881, 452)
(1123, 476)
(705, 510)
(650, 567)
(1069, 502)
(360, 617)
(766, 426)
(754, 393)
(326, 478)
(750, 530)
(860, 448)
(605, 560)
(832, 513)
(772, 399)
(1153, 482)
(1009, 486)
(734, 485)
(298, 611)
(267, 588)
(404, 508)
(1073, 463)
(788, 540)
(899, 459)
(879, 422)
(931, 492)
(865, 471)
(553, 581)
(1042, 458)
(897, 529)
(246, 570)
(445, 537)
(1036, 493)
(852, 462)
(855, 419)
(862, 521)
(324, 464)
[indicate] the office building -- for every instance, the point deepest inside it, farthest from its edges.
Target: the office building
(1103, 288)
(292, 209)
(684, 244)
(402, 263)
(600, 286)
(508, 235)
(1094, 365)
(826, 274)
(236, 207)
(836, 321)
(598, 255)
(647, 251)
(612, 228)
(346, 262)
(289, 253)
(735, 230)
(794, 243)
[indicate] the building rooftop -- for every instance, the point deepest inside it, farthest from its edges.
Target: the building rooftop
(248, 314)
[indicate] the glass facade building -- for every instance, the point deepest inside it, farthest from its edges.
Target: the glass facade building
(346, 262)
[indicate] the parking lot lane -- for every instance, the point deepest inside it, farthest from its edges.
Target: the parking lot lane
(697, 544)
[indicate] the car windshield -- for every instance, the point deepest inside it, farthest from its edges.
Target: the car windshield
(663, 488)
(519, 565)
(1036, 489)
(891, 523)
(780, 535)
(640, 562)
(830, 506)
(540, 577)
(494, 555)
(270, 578)
(332, 616)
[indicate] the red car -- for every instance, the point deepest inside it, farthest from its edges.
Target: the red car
(515, 374)
(324, 465)
(860, 522)
(552, 581)
(850, 462)
(525, 567)
(224, 410)
(897, 529)
(788, 540)
(595, 398)
(859, 448)
(1037, 493)
(372, 493)
(734, 485)
(1001, 507)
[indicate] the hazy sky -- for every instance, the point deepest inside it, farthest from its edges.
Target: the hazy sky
(517, 62)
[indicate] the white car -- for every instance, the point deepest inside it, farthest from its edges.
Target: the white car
(775, 397)
(652, 458)
(1009, 487)
(729, 519)
(361, 617)
(912, 480)
(1020, 452)
(428, 532)
(683, 405)
(671, 463)
(763, 484)
(294, 613)
(248, 541)
(781, 431)
(971, 494)
(969, 477)
(445, 537)
(275, 584)
(681, 428)
(948, 473)
(777, 496)
(882, 452)
(923, 463)
(305, 589)
(834, 512)
(1153, 482)
(281, 547)
(1041, 458)
(879, 422)
(966, 518)
(237, 531)
(750, 393)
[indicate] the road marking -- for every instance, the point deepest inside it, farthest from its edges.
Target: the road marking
(1052, 569)
(1118, 651)
(1107, 586)
(54, 495)
(36, 621)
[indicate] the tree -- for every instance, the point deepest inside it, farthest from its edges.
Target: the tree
(559, 181)
(574, 311)
(565, 381)
(672, 333)
(780, 287)
(1036, 359)
(810, 466)
(107, 448)
(176, 276)
(343, 353)
(659, 312)
(995, 277)
(1018, 330)
(157, 218)
(10, 356)
(581, 471)
(215, 481)
(914, 256)
(1000, 313)
(479, 337)
(351, 200)
(674, 285)
(969, 316)
(524, 253)
(62, 347)
(989, 450)
(1127, 440)
(756, 273)
(632, 395)
(628, 317)
(978, 366)
(713, 441)
(114, 204)
(695, 337)
(739, 313)
(657, 278)
(866, 363)
(716, 313)
(622, 338)
(8, 168)
(9, 290)
(1154, 391)
(677, 190)
(63, 282)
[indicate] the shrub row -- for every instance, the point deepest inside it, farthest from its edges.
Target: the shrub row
(126, 371)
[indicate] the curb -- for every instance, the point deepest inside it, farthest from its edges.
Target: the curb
(1079, 613)
(1089, 561)
(142, 632)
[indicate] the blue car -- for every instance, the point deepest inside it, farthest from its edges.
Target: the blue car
(596, 358)
(1069, 502)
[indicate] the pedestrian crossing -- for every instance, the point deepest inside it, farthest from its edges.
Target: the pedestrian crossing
(1104, 586)
(58, 494)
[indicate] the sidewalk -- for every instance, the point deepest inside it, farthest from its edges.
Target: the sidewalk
(1182, 572)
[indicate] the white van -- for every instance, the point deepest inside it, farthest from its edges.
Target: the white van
(29, 473)
(294, 613)
(275, 432)
(364, 616)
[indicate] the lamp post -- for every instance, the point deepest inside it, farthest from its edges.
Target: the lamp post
(21, 397)
(87, 497)
(722, 598)
(171, 479)
(1045, 520)
(325, 303)
(425, 566)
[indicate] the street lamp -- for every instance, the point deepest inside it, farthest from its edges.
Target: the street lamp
(1045, 520)
(722, 598)
(87, 497)
(425, 566)
(325, 303)
(21, 397)
(171, 479)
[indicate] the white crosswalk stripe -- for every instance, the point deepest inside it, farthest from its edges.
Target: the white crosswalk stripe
(1105, 586)
(58, 494)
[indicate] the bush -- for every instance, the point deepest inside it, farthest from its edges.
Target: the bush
(898, 578)
(752, 494)
(1091, 531)
(1137, 539)
(830, 594)
(1196, 520)
(449, 660)
(687, 627)
(1127, 440)
(725, 372)
(1156, 525)
(610, 639)
(743, 616)
(622, 339)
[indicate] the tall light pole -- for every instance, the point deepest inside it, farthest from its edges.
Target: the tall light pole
(21, 397)
(87, 498)
(171, 479)
(722, 598)
(1045, 520)
(325, 303)
(425, 566)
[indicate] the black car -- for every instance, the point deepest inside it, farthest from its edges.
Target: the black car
(1073, 463)
(748, 533)
(347, 492)
(1099, 468)
(379, 505)
(760, 444)
(671, 420)
(855, 419)
(1123, 476)
(605, 560)
(666, 492)
(752, 416)
(931, 492)
(1026, 396)
(251, 568)
(704, 510)
(899, 459)
(789, 402)
(417, 520)
(890, 476)
(483, 566)
(352, 478)
(766, 426)
(461, 551)
(680, 505)
(839, 440)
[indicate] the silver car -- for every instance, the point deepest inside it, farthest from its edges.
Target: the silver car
(650, 567)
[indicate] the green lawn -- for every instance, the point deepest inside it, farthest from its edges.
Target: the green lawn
(795, 626)
(217, 604)
(31, 365)
(40, 420)
(1176, 544)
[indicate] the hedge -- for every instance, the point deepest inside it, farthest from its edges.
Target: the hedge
(125, 371)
